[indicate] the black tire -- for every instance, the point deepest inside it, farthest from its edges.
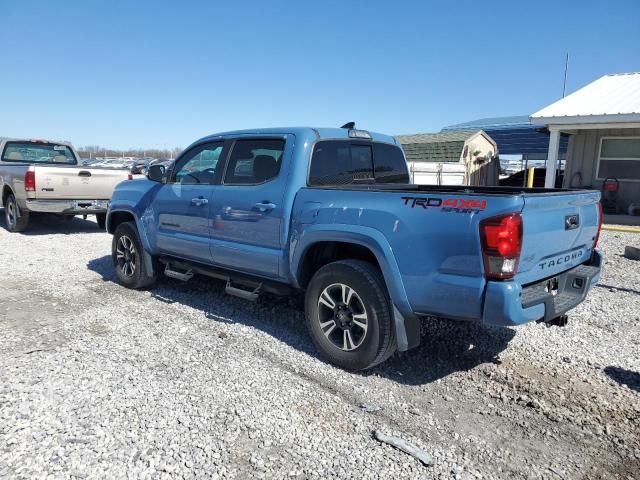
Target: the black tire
(101, 219)
(362, 347)
(128, 258)
(16, 219)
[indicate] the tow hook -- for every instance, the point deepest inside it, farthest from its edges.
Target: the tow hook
(560, 321)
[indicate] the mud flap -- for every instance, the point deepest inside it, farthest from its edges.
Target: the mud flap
(407, 330)
(148, 263)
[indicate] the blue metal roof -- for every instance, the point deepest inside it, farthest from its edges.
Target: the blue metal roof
(514, 135)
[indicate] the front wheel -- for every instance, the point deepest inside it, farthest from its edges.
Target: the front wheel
(128, 258)
(17, 220)
(348, 315)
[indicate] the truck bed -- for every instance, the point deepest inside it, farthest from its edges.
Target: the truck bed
(458, 189)
(433, 233)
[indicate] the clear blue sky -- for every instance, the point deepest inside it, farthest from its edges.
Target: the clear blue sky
(162, 74)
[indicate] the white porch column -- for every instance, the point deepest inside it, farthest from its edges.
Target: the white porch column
(552, 157)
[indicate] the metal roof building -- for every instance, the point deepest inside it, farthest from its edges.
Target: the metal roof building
(514, 135)
(612, 98)
(603, 122)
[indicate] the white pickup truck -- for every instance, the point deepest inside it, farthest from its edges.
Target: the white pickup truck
(41, 176)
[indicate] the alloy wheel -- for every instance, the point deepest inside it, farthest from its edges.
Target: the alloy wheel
(126, 256)
(342, 316)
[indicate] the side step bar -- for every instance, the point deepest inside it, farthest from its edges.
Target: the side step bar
(237, 291)
(183, 276)
(240, 285)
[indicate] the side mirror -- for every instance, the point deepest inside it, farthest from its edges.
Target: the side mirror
(156, 173)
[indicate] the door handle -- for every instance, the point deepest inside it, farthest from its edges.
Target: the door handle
(198, 202)
(264, 206)
(84, 173)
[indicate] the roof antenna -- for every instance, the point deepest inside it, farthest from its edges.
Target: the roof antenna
(566, 67)
(349, 125)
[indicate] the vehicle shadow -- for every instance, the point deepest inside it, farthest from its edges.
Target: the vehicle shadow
(447, 346)
(624, 377)
(52, 224)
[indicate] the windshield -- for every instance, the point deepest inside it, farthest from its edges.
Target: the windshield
(31, 152)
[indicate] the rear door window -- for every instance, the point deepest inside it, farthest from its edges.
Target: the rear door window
(344, 162)
(31, 152)
(254, 161)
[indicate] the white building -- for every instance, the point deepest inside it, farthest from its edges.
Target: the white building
(603, 121)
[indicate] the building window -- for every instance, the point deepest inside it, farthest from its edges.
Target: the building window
(620, 158)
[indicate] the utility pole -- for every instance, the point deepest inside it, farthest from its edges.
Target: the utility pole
(566, 68)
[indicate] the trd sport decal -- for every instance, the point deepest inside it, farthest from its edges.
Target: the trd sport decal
(456, 205)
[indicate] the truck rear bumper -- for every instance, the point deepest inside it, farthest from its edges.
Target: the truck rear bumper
(509, 304)
(68, 207)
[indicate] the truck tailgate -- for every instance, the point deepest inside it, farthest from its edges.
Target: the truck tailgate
(58, 182)
(558, 233)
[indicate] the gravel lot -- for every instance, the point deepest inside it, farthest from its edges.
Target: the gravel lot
(99, 381)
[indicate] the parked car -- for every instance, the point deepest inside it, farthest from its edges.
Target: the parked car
(39, 176)
(332, 214)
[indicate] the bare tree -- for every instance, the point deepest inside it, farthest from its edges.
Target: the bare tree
(98, 151)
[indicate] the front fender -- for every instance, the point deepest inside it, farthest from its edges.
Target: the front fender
(120, 208)
(135, 197)
(407, 325)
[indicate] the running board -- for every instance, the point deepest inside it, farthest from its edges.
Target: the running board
(182, 276)
(236, 291)
(245, 283)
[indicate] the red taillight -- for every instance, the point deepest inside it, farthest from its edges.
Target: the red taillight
(600, 215)
(501, 239)
(30, 181)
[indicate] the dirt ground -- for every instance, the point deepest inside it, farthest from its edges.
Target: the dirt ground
(184, 381)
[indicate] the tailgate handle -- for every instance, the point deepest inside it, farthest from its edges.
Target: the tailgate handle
(571, 222)
(84, 173)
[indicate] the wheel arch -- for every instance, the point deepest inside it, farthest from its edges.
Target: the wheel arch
(116, 217)
(6, 191)
(365, 242)
(369, 244)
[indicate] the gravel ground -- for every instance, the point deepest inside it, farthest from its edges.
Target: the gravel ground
(183, 381)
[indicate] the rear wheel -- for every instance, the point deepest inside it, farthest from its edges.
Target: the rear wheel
(17, 220)
(128, 258)
(348, 315)
(101, 218)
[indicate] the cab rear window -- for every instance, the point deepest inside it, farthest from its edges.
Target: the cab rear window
(346, 162)
(31, 152)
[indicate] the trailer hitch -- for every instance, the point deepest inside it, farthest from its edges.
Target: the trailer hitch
(560, 321)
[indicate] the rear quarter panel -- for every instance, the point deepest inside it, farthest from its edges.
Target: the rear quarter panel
(12, 178)
(430, 255)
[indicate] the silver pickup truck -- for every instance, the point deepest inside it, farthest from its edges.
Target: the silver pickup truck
(40, 176)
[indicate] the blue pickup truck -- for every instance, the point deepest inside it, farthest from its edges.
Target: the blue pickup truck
(330, 212)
